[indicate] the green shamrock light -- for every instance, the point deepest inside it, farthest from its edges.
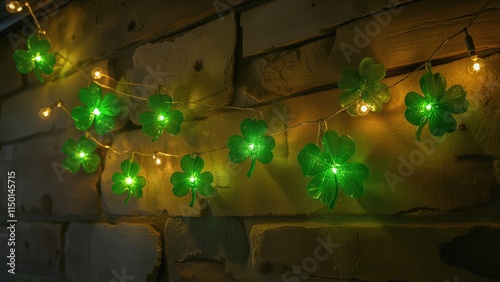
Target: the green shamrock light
(128, 180)
(363, 91)
(192, 179)
(153, 123)
(100, 110)
(36, 58)
(254, 144)
(331, 170)
(436, 106)
(81, 153)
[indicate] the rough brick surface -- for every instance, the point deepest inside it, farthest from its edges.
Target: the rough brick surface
(202, 270)
(267, 26)
(217, 239)
(363, 253)
(194, 67)
(320, 63)
(103, 252)
(19, 114)
(43, 186)
(38, 248)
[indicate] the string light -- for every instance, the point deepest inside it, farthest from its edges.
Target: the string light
(14, 7)
(157, 160)
(476, 64)
(97, 73)
(44, 113)
(362, 108)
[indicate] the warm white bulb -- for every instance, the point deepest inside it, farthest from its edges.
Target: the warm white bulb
(362, 108)
(251, 146)
(82, 155)
(475, 65)
(97, 73)
(38, 58)
(14, 7)
(44, 113)
(97, 112)
(192, 179)
(158, 161)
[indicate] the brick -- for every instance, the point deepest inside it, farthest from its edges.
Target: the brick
(43, 187)
(200, 270)
(320, 63)
(384, 141)
(271, 23)
(20, 113)
(215, 239)
(201, 72)
(104, 252)
(367, 252)
(38, 248)
(10, 78)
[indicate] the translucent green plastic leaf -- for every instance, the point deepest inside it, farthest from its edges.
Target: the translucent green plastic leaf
(324, 187)
(442, 121)
(104, 124)
(433, 86)
(340, 149)
(351, 179)
(454, 100)
(24, 62)
(312, 160)
(161, 118)
(128, 180)
(192, 178)
(109, 105)
(350, 79)
(415, 103)
(370, 70)
(160, 103)
(38, 45)
(205, 183)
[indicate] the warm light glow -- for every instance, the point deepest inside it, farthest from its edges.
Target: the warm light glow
(38, 58)
(14, 7)
(97, 73)
(192, 179)
(157, 161)
(475, 65)
(129, 180)
(362, 108)
(161, 117)
(82, 155)
(44, 113)
(251, 146)
(428, 107)
(97, 112)
(334, 170)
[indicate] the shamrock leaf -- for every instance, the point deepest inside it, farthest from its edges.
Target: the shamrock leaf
(100, 110)
(331, 170)
(153, 123)
(363, 87)
(436, 106)
(81, 153)
(128, 180)
(192, 179)
(36, 58)
(254, 144)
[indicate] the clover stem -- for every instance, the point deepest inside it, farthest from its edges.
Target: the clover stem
(128, 197)
(38, 75)
(193, 198)
(420, 127)
(252, 167)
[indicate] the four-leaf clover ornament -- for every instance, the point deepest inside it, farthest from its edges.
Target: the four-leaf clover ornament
(101, 110)
(436, 106)
(363, 91)
(331, 170)
(192, 179)
(81, 153)
(36, 58)
(254, 144)
(128, 180)
(153, 123)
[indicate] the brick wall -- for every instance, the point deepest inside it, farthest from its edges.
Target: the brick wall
(438, 221)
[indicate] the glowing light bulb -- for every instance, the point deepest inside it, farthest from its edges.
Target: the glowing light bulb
(475, 65)
(97, 73)
(14, 7)
(428, 107)
(251, 146)
(129, 180)
(192, 179)
(334, 170)
(362, 108)
(38, 58)
(44, 113)
(82, 155)
(161, 117)
(97, 112)
(156, 159)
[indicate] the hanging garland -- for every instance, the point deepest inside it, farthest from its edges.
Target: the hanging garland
(362, 91)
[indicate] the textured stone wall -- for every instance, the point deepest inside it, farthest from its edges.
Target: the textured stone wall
(430, 211)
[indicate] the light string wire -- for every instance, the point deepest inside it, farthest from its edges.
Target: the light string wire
(321, 122)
